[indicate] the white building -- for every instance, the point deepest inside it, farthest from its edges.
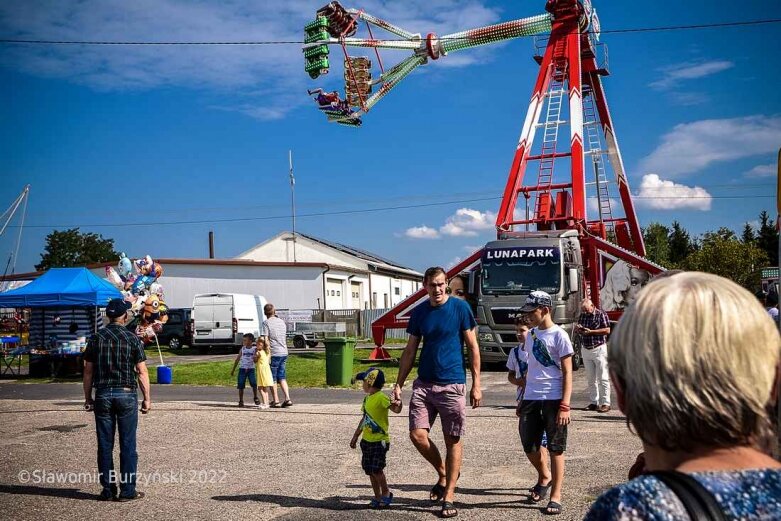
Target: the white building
(369, 282)
(323, 275)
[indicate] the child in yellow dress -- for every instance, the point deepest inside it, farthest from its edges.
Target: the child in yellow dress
(263, 370)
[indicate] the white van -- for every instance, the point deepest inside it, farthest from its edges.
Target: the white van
(222, 319)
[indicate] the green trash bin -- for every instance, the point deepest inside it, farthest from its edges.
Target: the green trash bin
(339, 352)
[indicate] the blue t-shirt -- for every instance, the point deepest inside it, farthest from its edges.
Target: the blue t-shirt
(442, 330)
(749, 495)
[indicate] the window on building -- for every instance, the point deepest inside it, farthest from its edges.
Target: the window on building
(397, 291)
(374, 299)
(338, 293)
(386, 299)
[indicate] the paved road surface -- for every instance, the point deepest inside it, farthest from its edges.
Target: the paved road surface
(204, 458)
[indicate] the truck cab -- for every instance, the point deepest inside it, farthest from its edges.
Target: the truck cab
(514, 266)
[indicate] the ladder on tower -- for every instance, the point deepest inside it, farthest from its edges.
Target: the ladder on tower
(596, 152)
(550, 135)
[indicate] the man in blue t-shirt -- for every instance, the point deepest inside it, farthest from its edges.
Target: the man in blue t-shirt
(444, 324)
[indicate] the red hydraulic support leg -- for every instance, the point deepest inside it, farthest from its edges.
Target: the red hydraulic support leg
(576, 123)
(617, 163)
(525, 142)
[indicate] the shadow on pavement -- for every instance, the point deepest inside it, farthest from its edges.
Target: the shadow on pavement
(70, 493)
(329, 503)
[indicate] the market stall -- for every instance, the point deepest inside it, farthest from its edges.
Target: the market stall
(65, 309)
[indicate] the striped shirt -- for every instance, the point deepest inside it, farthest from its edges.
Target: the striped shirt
(115, 351)
(275, 330)
(596, 320)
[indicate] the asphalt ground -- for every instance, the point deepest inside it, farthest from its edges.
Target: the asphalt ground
(201, 457)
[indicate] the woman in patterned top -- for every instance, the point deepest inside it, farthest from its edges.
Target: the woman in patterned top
(694, 363)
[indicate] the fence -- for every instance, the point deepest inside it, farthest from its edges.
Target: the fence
(358, 322)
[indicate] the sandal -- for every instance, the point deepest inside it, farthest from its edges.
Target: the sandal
(275, 405)
(287, 403)
(437, 492)
(540, 492)
(448, 509)
(552, 509)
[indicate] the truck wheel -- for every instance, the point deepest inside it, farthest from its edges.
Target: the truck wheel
(311, 343)
(174, 343)
(299, 342)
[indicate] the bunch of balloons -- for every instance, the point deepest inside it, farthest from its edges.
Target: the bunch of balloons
(137, 280)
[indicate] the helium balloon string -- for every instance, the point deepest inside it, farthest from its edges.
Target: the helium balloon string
(158, 349)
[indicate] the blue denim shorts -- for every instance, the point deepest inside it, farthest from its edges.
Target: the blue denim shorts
(278, 368)
(244, 375)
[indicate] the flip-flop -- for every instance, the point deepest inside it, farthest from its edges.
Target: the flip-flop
(541, 491)
(385, 501)
(552, 509)
(448, 510)
(437, 492)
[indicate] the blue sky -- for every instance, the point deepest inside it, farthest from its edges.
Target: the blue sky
(149, 135)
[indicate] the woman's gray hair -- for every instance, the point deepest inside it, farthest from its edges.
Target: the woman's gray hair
(696, 356)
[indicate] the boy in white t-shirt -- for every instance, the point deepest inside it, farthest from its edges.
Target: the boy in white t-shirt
(545, 406)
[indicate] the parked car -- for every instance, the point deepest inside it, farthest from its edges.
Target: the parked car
(221, 319)
(176, 332)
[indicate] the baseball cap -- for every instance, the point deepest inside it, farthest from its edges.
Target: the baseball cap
(375, 377)
(117, 307)
(537, 299)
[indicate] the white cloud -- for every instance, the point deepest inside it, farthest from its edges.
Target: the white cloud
(659, 194)
(421, 232)
(762, 171)
(689, 71)
(467, 222)
(264, 82)
(453, 262)
(690, 147)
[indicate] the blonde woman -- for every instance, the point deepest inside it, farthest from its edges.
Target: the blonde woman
(693, 363)
(622, 283)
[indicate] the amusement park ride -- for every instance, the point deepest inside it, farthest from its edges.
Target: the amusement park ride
(560, 243)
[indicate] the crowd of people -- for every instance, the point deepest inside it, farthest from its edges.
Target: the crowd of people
(693, 365)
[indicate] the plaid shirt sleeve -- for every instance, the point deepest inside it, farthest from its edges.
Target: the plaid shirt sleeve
(139, 355)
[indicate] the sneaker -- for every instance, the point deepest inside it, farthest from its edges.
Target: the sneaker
(287, 403)
(138, 495)
(263, 406)
(257, 401)
(241, 404)
(603, 408)
(590, 407)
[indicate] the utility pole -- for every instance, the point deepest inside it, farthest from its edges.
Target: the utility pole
(293, 201)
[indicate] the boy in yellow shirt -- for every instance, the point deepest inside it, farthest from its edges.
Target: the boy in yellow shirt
(376, 438)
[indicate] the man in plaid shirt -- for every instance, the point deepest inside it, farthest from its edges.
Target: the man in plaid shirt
(114, 358)
(593, 327)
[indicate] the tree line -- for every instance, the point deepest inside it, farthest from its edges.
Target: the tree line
(722, 252)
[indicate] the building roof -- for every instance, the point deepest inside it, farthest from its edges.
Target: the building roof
(375, 262)
(361, 254)
(202, 262)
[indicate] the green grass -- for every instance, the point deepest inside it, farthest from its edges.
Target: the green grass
(303, 370)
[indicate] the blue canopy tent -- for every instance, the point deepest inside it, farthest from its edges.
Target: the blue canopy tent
(61, 287)
(65, 307)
